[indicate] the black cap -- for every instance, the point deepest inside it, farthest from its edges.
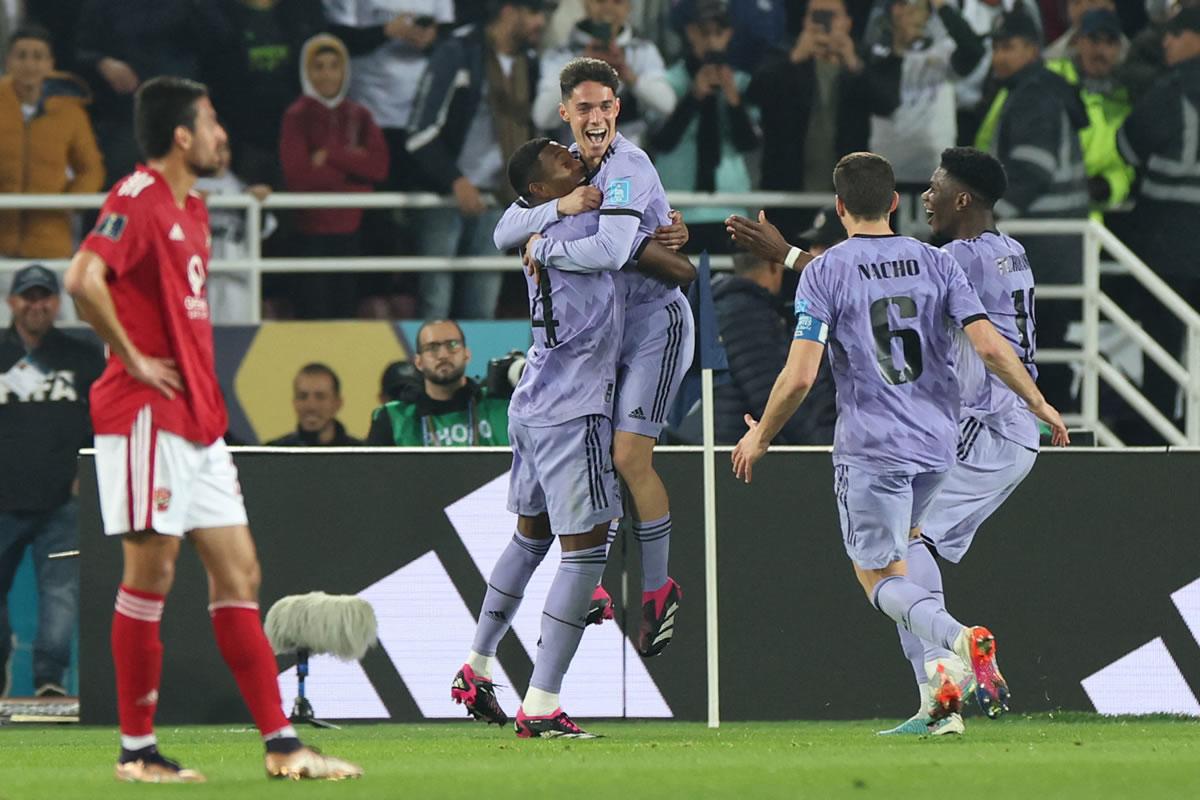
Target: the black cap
(1100, 21)
(705, 10)
(826, 229)
(1017, 25)
(31, 277)
(1187, 19)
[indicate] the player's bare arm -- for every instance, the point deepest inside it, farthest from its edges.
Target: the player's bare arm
(791, 387)
(664, 263)
(764, 240)
(87, 282)
(999, 357)
(580, 200)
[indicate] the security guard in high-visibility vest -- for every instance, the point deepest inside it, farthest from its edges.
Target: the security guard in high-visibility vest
(1161, 139)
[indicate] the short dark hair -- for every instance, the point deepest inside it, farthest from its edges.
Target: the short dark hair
(582, 70)
(980, 172)
(317, 368)
(31, 31)
(462, 336)
(160, 106)
(865, 183)
(328, 48)
(525, 166)
(745, 262)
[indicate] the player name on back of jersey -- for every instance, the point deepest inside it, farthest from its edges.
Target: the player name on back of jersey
(883, 270)
(1015, 262)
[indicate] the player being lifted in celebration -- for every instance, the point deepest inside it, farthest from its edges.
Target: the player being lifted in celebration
(162, 467)
(885, 306)
(998, 437)
(657, 342)
(560, 427)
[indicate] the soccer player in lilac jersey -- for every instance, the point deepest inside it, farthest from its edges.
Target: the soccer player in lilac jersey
(885, 306)
(657, 343)
(562, 480)
(998, 436)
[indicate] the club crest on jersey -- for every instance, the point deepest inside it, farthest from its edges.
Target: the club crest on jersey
(112, 226)
(162, 499)
(618, 192)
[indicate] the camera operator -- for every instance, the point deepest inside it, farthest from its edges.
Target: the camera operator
(448, 409)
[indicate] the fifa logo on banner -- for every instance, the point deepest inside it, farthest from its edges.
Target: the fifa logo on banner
(1120, 688)
(609, 679)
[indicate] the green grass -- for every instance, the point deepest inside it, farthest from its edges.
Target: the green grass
(1046, 756)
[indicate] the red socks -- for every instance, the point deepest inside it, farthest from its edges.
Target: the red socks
(246, 650)
(137, 657)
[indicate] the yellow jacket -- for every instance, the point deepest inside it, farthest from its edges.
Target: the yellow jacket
(54, 152)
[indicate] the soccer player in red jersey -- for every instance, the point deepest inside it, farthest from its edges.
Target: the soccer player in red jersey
(162, 466)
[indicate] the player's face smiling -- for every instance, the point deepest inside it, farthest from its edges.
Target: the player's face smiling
(592, 111)
(207, 140)
(561, 171)
(938, 200)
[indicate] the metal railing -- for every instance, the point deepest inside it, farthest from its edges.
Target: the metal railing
(1097, 239)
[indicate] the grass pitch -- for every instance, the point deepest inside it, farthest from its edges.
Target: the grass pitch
(1032, 757)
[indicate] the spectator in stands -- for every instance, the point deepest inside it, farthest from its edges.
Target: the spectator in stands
(759, 27)
(923, 47)
(390, 42)
(60, 17)
(1092, 68)
(317, 399)
(756, 330)
(1159, 140)
(451, 410)
(605, 33)
(399, 380)
(45, 376)
(983, 16)
(701, 146)
(811, 103)
(120, 43)
(473, 113)
(230, 297)
(1033, 127)
(1064, 46)
(46, 145)
(255, 77)
(329, 144)
(1145, 62)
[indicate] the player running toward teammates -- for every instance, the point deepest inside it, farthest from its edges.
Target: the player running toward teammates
(162, 467)
(560, 426)
(885, 304)
(998, 437)
(657, 341)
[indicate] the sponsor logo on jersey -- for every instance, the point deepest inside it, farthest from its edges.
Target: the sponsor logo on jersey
(176, 234)
(637, 413)
(195, 303)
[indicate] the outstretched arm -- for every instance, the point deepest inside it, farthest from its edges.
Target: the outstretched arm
(765, 241)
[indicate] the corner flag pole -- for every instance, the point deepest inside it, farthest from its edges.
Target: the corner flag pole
(712, 357)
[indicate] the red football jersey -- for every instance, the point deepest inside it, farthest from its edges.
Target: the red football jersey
(157, 255)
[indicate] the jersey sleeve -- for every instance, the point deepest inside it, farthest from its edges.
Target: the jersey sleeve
(630, 186)
(520, 222)
(814, 309)
(962, 303)
(117, 237)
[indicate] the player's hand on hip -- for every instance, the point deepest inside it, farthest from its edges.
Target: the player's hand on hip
(1058, 429)
(159, 373)
(675, 235)
(583, 198)
(748, 450)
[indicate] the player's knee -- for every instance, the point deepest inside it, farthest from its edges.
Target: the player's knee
(632, 463)
(154, 575)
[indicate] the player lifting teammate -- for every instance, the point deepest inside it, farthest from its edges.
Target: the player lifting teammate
(163, 469)
(657, 340)
(885, 305)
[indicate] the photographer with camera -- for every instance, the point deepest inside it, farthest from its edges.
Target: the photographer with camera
(700, 147)
(447, 409)
(605, 33)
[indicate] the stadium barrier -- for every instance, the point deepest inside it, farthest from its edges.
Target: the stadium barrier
(1095, 599)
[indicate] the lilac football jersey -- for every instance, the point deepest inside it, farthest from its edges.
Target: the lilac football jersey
(999, 271)
(886, 307)
(631, 186)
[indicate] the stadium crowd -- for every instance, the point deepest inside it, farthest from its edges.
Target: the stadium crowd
(726, 95)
